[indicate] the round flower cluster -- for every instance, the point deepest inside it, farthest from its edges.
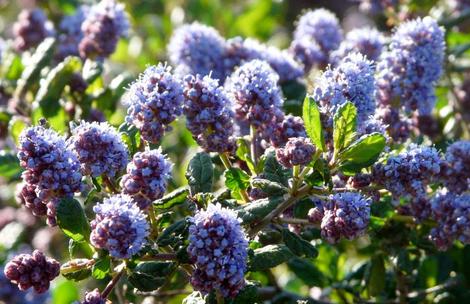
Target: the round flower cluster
(290, 126)
(367, 41)
(218, 249)
(253, 88)
(104, 24)
(9, 293)
(452, 213)
(208, 114)
(154, 101)
(352, 80)
(456, 173)
(52, 171)
(32, 270)
(298, 151)
(412, 66)
(120, 227)
(70, 33)
(26, 195)
(345, 215)
(408, 173)
(198, 49)
(146, 177)
(93, 297)
(31, 29)
(317, 34)
(99, 149)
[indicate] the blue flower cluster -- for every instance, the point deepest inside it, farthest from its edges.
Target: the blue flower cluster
(298, 151)
(99, 149)
(412, 66)
(253, 88)
(70, 33)
(52, 170)
(154, 101)
(290, 126)
(200, 49)
(367, 41)
(10, 293)
(317, 34)
(31, 29)
(120, 227)
(352, 80)
(452, 213)
(409, 173)
(147, 177)
(104, 24)
(345, 215)
(218, 249)
(208, 114)
(456, 173)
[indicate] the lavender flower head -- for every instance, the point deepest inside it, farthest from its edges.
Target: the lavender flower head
(452, 213)
(9, 293)
(99, 148)
(307, 52)
(352, 80)
(456, 173)
(346, 215)
(31, 29)
(70, 33)
(322, 28)
(26, 196)
(105, 23)
(367, 41)
(32, 270)
(409, 173)
(154, 101)
(218, 248)
(147, 177)
(120, 227)
(298, 151)
(208, 114)
(198, 49)
(413, 65)
(253, 88)
(290, 126)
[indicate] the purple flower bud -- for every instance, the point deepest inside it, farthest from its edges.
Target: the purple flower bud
(298, 151)
(456, 173)
(104, 24)
(31, 29)
(154, 101)
(345, 215)
(35, 270)
(208, 114)
(146, 177)
(94, 297)
(120, 227)
(27, 196)
(9, 293)
(99, 148)
(218, 249)
(290, 126)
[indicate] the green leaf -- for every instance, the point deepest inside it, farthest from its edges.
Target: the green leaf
(174, 234)
(363, 152)
(148, 276)
(344, 126)
(248, 295)
(269, 187)
(236, 180)
(9, 165)
(294, 90)
(200, 173)
(243, 153)
(257, 210)
(65, 292)
(101, 268)
(269, 256)
(71, 220)
(92, 70)
(274, 171)
(38, 61)
(298, 246)
(307, 272)
(80, 269)
(52, 87)
(131, 136)
(376, 276)
(15, 127)
(312, 121)
(172, 199)
(11, 66)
